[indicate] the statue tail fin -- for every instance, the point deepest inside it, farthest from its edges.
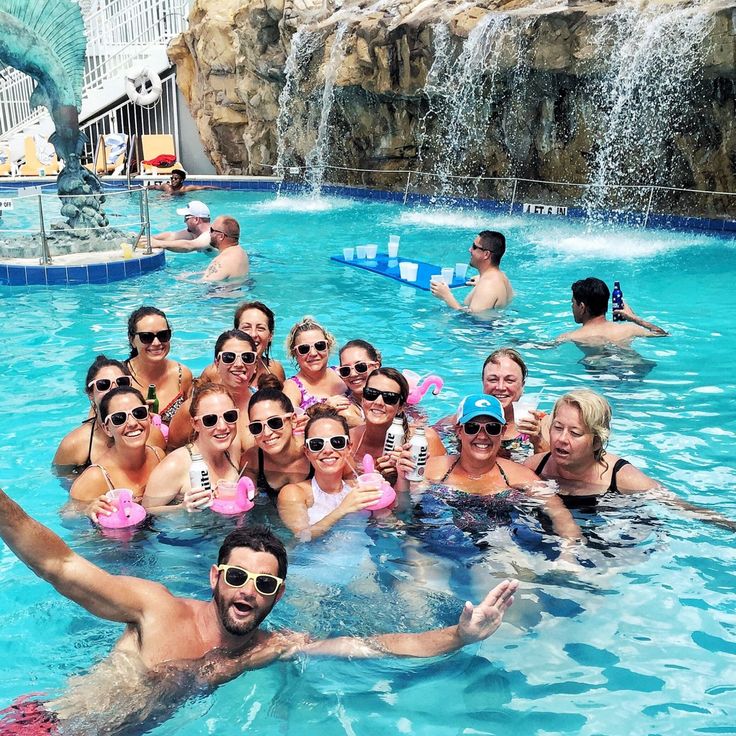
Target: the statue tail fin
(58, 26)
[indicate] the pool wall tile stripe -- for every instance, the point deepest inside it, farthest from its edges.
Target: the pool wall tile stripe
(94, 273)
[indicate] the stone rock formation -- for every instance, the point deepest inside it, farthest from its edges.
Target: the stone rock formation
(581, 92)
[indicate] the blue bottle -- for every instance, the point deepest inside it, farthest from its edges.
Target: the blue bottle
(617, 300)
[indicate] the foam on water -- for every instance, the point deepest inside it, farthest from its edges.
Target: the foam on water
(454, 219)
(310, 203)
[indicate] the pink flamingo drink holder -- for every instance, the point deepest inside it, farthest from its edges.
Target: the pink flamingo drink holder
(388, 494)
(419, 386)
(127, 511)
(241, 502)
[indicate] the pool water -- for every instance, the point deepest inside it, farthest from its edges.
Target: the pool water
(643, 641)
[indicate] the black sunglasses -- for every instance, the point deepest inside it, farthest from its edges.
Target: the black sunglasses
(493, 429)
(147, 338)
(477, 247)
(389, 397)
(103, 384)
(320, 346)
(338, 442)
(229, 357)
(118, 418)
(209, 420)
(273, 423)
(344, 370)
(237, 577)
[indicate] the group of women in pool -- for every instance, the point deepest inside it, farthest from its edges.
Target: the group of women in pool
(302, 440)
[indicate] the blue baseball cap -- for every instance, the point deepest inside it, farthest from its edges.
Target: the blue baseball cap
(477, 405)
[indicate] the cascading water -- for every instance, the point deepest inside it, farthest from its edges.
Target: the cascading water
(303, 44)
(317, 158)
(651, 56)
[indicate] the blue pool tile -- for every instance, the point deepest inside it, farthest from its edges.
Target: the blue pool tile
(77, 275)
(17, 275)
(729, 225)
(132, 267)
(35, 275)
(56, 275)
(3, 273)
(115, 271)
(97, 273)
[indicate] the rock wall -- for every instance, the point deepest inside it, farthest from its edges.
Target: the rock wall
(579, 92)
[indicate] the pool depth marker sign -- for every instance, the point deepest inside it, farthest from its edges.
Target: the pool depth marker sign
(544, 209)
(5, 204)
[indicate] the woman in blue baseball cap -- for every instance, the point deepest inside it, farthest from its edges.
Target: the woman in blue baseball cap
(478, 470)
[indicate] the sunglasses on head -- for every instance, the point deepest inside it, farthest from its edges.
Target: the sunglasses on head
(228, 357)
(320, 346)
(272, 422)
(118, 418)
(147, 338)
(344, 370)
(338, 442)
(389, 397)
(210, 420)
(237, 577)
(493, 429)
(103, 384)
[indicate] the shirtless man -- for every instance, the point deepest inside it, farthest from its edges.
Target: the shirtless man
(492, 289)
(589, 306)
(231, 261)
(172, 646)
(176, 185)
(194, 237)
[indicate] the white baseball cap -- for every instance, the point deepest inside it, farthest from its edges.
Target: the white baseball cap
(195, 208)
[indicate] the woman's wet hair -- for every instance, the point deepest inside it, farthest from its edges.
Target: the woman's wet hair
(509, 353)
(100, 362)
(595, 412)
(136, 317)
(322, 411)
(372, 353)
(270, 321)
(306, 324)
(114, 393)
(270, 389)
(202, 390)
(233, 335)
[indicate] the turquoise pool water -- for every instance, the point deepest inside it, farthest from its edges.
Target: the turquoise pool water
(643, 642)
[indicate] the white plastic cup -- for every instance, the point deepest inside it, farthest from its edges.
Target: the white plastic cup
(448, 274)
(393, 248)
(412, 271)
(404, 270)
(348, 253)
(461, 270)
(393, 239)
(525, 406)
(127, 249)
(436, 278)
(226, 490)
(360, 252)
(371, 250)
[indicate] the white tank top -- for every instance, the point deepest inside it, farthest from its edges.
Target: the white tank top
(324, 503)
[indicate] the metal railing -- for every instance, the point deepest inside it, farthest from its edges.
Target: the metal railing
(134, 120)
(119, 35)
(636, 203)
(52, 241)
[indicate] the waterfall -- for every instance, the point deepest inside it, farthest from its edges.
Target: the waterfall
(650, 57)
(303, 44)
(317, 158)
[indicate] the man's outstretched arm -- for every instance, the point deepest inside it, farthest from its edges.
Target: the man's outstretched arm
(112, 597)
(648, 328)
(476, 623)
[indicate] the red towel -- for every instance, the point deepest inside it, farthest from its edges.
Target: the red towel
(165, 159)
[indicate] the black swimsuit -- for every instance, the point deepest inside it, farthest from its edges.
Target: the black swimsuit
(574, 502)
(262, 483)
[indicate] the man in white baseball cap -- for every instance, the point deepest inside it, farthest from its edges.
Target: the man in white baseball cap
(194, 237)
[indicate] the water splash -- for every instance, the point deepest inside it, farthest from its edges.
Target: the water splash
(651, 56)
(317, 158)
